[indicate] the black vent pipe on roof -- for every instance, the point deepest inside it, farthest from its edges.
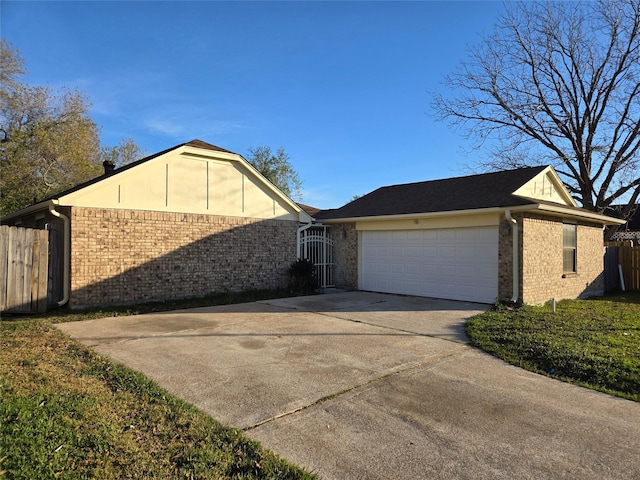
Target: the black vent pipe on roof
(109, 167)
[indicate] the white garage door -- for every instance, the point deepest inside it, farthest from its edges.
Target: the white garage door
(453, 263)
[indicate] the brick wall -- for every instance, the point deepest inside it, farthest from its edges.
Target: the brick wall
(542, 273)
(505, 258)
(129, 256)
(345, 255)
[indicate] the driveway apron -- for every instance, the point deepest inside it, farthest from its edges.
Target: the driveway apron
(360, 385)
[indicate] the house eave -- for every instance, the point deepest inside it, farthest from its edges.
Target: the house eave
(412, 216)
(37, 207)
(553, 210)
(561, 211)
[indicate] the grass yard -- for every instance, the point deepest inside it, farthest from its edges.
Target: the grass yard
(66, 412)
(593, 343)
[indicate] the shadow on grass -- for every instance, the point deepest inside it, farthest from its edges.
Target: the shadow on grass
(620, 296)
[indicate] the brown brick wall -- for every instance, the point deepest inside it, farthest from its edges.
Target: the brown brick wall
(345, 255)
(540, 259)
(129, 256)
(542, 275)
(505, 258)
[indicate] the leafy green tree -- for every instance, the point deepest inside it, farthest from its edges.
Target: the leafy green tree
(48, 142)
(278, 169)
(557, 83)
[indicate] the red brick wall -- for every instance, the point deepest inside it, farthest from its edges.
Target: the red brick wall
(129, 256)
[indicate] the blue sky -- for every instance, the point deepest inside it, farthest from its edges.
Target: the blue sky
(344, 87)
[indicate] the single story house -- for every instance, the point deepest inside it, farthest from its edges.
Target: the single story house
(197, 219)
(513, 235)
(188, 221)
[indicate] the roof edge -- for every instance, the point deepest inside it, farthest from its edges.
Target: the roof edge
(411, 216)
(581, 213)
(36, 207)
(574, 212)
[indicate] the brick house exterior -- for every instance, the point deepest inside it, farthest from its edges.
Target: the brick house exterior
(472, 206)
(138, 257)
(190, 221)
(345, 255)
(541, 260)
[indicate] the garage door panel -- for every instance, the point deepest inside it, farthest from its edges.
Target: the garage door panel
(457, 263)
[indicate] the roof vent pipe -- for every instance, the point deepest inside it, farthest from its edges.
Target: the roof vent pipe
(516, 259)
(109, 167)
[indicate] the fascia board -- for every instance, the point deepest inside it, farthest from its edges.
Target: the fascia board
(561, 211)
(533, 207)
(29, 210)
(412, 216)
(560, 184)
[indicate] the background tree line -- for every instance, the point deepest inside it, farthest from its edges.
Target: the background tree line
(48, 142)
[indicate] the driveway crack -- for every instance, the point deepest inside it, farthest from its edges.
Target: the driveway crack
(396, 371)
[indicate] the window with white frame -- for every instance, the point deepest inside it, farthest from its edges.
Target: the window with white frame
(569, 247)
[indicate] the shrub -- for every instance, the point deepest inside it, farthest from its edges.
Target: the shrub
(302, 277)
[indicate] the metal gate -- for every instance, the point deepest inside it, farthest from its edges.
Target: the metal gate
(315, 244)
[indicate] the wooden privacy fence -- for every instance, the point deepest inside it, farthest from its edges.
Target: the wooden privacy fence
(628, 258)
(24, 257)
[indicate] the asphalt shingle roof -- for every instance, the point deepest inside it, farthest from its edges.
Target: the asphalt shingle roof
(489, 190)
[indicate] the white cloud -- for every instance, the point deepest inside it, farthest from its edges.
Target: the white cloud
(166, 128)
(184, 124)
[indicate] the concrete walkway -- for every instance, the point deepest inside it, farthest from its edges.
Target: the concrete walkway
(369, 386)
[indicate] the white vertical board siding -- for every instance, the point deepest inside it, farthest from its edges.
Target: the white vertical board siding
(453, 263)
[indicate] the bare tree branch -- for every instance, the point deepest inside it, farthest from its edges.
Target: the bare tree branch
(557, 83)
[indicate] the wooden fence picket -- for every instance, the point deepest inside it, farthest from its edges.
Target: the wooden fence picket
(629, 261)
(24, 258)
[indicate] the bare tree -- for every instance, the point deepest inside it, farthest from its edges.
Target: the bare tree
(557, 83)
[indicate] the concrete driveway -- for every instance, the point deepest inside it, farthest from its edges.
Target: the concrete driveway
(369, 386)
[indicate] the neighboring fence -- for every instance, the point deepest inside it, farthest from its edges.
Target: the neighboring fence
(24, 256)
(624, 256)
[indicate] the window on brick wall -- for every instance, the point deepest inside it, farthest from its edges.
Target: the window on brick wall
(569, 247)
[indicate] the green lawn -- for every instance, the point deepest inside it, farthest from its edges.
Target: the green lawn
(66, 412)
(594, 343)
